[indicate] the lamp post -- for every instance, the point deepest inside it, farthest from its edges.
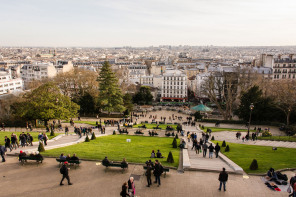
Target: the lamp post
(251, 109)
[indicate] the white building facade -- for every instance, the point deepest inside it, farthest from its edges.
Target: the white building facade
(9, 85)
(174, 87)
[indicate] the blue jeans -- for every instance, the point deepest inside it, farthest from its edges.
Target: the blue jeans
(224, 185)
(157, 179)
(210, 154)
(204, 152)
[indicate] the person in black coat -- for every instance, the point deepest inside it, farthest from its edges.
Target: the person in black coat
(124, 192)
(223, 177)
(2, 153)
(65, 172)
(217, 150)
(158, 169)
(148, 175)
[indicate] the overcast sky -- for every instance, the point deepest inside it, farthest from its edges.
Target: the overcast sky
(108, 23)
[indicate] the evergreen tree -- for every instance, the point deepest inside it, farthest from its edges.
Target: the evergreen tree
(223, 143)
(170, 158)
(41, 147)
(87, 139)
(176, 136)
(254, 165)
(144, 96)
(227, 148)
(175, 143)
(127, 101)
(93, 136)
(110, 97)
(213, 138)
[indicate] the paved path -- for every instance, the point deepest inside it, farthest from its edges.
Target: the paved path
(230, 137)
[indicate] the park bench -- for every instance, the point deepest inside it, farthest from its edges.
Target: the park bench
(142, 126)
(128, 126)
(139, 133)
(169, 129)
(161, 122)
(116, 164)
(122, 132)
(74, 162)
(164, 169)
(24, 159)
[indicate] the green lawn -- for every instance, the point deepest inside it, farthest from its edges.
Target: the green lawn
(243, 156)
(150, 126)
(279, 138)
(116, 148)
(93, 123)
(217, 129)
(34, 134)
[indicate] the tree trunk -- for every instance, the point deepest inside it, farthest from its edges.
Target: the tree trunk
(288, 117)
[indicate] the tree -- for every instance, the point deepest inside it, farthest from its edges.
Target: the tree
(87, 139)
(227, 148)
(93, 136)
(223, 143)
(284, 94)
(197, 116)
(110, 97)
(87, 104)
(45, 103)
(143, 96)
(127, 102)
(41, 147)
(254, 165)
(170, 158)
(175, 143)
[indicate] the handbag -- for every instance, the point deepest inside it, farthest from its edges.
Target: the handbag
(289, 190)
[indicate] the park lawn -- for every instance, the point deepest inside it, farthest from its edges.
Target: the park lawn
(217, 129)
(243, 156)
(34, 134)
(93, 123)
(279, 138)
(150, 126)
(116, 148)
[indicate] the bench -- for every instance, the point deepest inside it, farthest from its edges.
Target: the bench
(156, 128)
(131, 126)
(164, 169)
(115, 164)
(74, 162)
(122, 132)
(139, 133)
(24, 159)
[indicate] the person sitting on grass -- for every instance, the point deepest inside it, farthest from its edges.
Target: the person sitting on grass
(158, 154)
(124, 163)
(106, 162)
(63, 157)
(74, 157)
(272, 175)
(152, 154)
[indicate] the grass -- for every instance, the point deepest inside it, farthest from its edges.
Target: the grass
(150, 126)
(93, 123)
(34, 134)
(279, 138)
(116, 148)
(217, 129)
(243, 156)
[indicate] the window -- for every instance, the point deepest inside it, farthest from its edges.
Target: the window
(5, 85)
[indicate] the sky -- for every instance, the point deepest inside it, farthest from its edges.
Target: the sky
(138, 23)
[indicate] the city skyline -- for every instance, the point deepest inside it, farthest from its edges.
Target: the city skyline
(141, 24)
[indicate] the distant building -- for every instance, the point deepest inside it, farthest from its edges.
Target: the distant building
(174, 87)
(284, 67)
(8, 85)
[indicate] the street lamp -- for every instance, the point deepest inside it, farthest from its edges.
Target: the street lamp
(251, 109)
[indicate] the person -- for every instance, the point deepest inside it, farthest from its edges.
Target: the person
(124, 163)
(211, 151)
(150, 163)
(106, 162)
(68, 157)
(272, 175)
(40, 136)
(197, 148)
(13, 141)
(62, 157)
(2, 152)
(124, 192)
(7, 143)
(223, 177)
(74, 157)
(30, 139)
(65, 172)
(158, 154)
(158, 169)
(131, 186)
(292, 184)
(217, 149)
(205, 148)
(45, 138)
(22, 154)
(152, 154)
(66, 130)
(148, 175)
(194, 144)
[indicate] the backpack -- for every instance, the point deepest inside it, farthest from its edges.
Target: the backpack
(294, 187)
(62, 170)
(282, 176)
(161, 169)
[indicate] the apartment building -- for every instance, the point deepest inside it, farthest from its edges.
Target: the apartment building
(9, 85)
(284, 67)
(38, 71)
(174, 87)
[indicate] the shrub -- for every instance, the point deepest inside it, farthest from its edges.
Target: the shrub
(227, 148)
(223, 143)
(176, 136)
(93, 136)
(254, 165)
(266, 134)
(87, 139)
(41, 147)
(213, 138)
(202, 127)
(114, 132)
(175, 143)
(170, 158)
